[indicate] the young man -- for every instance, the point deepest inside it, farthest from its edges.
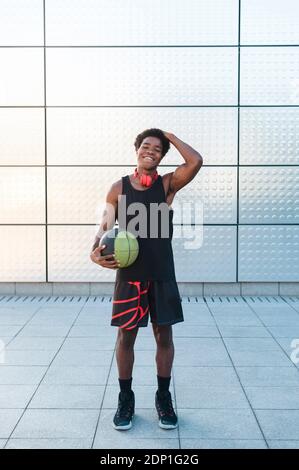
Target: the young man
(148, 286)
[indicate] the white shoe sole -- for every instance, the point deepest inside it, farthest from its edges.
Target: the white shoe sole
(123, 428)
(167, 426)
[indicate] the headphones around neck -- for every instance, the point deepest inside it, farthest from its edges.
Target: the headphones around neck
(146, 180)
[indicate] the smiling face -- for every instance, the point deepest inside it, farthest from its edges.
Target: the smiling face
(149, 153)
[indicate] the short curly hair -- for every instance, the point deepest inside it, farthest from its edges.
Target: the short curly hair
(153, 132)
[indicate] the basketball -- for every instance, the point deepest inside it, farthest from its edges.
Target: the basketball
(124, 244)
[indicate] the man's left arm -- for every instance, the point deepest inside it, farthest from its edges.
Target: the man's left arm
(188, 170)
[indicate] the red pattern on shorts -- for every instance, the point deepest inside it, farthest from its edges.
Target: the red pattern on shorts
(139, 311)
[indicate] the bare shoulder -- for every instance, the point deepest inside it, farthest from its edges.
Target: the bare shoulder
(114, 191)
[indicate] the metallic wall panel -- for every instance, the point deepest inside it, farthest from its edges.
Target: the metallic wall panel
(22, 76)
(86, 136)
(214, 191)
(22, 136)
(22, 195)
(145, 22)
(21, 23)
(269, 75)
(269, 195)
(22, 253)
(77, 194)
(213, 261)
(190, 91)
(269, 22)
(149, 76)
(269, 136)
(69, 248)
(269, 253)
(200, 253)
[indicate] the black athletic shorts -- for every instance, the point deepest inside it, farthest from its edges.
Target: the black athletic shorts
(134, 301)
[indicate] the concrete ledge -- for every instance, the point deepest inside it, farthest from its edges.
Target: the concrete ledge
(289, 288)
(222, 288)
(261, 288)
(185, 288)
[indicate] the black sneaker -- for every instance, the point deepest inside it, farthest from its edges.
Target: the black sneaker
(166, 413)
(125, 411)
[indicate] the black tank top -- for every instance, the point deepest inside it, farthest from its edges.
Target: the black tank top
(155, 257)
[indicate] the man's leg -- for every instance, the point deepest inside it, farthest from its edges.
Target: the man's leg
(164, 360)
(165, 349)
(125, 352)
(125, 359)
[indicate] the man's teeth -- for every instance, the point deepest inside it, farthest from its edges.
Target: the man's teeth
(149, 158)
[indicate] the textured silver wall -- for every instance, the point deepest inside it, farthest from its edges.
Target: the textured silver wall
(81, 78)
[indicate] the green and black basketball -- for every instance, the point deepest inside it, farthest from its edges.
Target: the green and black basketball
(123, 244)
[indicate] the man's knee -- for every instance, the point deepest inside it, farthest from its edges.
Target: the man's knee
(126, 338)
(163, 335)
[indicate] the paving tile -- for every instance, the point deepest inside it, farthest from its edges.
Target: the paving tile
(244, 331)
(259, 358)
(283, 444)
(14, 320)
(28, 357)
(100, 343)
(279, 424)
(251, 344)
(91, 357)
(4, 341)
(280, 319)
(198, 318)
(8, 420)
(237, 320)
(273, 309)
(21, 375)
(16, 396)
(200, 376)
(284, 397)
(65, 408)
(268, 376)
(145, 343)
(284, 331)
(68, 396)
(44, 330)
(94, 320)
(35, 343)
(9, 330)
(125, 441)
(44, 443)
(51, 423)
(201, 331)
(76, 375)
(218, 424)
(223, 444)
(92, 330)
(49, 322)
(201, 352)
(210, 397)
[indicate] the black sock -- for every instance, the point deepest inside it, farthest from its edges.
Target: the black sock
(125, 384)
(163, 383)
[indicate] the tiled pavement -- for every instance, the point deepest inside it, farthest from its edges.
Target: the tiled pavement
(234, 384)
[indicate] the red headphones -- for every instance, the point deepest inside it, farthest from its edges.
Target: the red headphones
(146, 180)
